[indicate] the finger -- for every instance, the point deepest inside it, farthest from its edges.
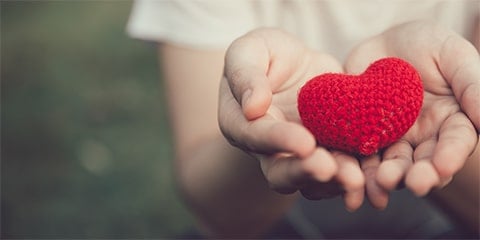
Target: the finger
(397, 159)
(377, 195)
(349, 175)
(350, 178)
(269, 136)
(282, 174)
(288, 174)
(321, 165)
(422, 176)
(246, 63)
(353, 199)
(457, 140)
(459, 63)
(252, 92)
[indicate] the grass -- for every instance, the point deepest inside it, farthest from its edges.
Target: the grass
(86, 148)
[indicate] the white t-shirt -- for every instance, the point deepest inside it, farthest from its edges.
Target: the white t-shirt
(334, 27)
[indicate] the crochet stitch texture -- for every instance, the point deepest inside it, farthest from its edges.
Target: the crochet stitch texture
(364, 113)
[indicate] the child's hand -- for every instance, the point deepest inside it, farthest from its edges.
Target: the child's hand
(445, 134)
(258, 113)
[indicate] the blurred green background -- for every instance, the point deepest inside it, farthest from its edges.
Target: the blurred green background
(85, 144)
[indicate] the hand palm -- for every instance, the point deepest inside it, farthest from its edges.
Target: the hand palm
(258, 113)
(441, 139)
(284, 98)
(278, 65)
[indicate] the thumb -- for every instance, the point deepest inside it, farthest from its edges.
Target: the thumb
(459, 62)
(246, 65)
(252, 92)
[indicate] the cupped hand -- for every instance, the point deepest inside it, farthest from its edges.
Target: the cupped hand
(264, 71)
(446, 132)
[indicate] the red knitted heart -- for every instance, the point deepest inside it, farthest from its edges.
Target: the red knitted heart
(364, 113)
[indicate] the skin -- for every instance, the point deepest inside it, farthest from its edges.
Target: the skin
(440, 144)
(445, 134)
(257, 108)
(254, 103)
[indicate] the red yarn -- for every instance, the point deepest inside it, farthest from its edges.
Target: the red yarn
(362, 114)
